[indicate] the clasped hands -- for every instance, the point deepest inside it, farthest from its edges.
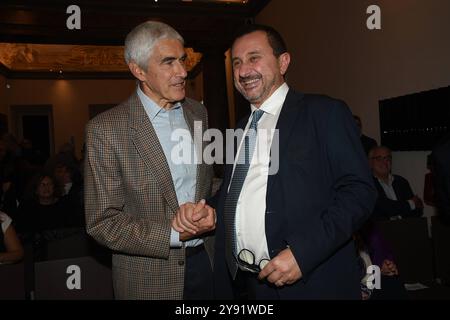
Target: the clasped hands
(192, 220)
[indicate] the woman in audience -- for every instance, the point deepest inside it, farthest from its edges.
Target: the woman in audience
(11, 249)
(44, 217)
(40, 208)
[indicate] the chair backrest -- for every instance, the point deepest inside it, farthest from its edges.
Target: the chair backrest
(411, 246)
(67, 243)
(441, 245)
(83, 278)
(12, 282)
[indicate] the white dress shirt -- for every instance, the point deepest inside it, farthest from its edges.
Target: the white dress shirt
(388, 188)
(390, 193)
(251, 206)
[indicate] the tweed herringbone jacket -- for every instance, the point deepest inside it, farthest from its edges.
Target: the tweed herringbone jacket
(130, 200)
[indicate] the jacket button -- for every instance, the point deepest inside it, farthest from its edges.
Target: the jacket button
(181, 263)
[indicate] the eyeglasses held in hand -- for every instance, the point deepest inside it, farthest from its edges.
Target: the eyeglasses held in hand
(246, 261)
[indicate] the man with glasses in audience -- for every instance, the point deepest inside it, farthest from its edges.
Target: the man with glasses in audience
(395, 196)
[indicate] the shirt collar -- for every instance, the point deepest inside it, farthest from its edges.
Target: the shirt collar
(390, 180)
(274, 103)
(151, 107)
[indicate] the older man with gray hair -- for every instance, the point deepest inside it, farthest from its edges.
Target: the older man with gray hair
(134, 188)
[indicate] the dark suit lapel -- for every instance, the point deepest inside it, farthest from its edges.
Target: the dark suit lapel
(286, 121)
(149, 148)
(193, 121)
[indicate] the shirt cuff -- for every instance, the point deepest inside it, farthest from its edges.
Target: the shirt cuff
(412, 204)
(175, 239)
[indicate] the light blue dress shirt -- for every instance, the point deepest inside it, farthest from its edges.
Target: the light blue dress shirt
(176, 141)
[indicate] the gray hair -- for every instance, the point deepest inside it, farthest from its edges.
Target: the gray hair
(140, 42)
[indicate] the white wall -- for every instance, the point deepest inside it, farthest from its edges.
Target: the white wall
(70, 100)
(334, 53)
(413, 166)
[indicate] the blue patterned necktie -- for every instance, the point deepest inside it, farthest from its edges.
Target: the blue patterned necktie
(237, 181)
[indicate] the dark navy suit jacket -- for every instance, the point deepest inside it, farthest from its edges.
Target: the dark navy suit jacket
(386, 208)
(322, 194)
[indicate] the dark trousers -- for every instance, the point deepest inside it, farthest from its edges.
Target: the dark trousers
(246, 286)
(198, 277)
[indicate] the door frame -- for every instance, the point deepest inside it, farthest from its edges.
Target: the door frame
(19, 111)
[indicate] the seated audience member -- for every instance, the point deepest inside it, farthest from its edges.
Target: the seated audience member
(30, 162)
(44, 217)
(11, 249)
(441, 166)
(70, 181)
(72, 190)
(395, 196)
(66, 156)
(372, 249)
(367, 142)
(65, 168)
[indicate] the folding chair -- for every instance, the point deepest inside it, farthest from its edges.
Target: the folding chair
(83, 278)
